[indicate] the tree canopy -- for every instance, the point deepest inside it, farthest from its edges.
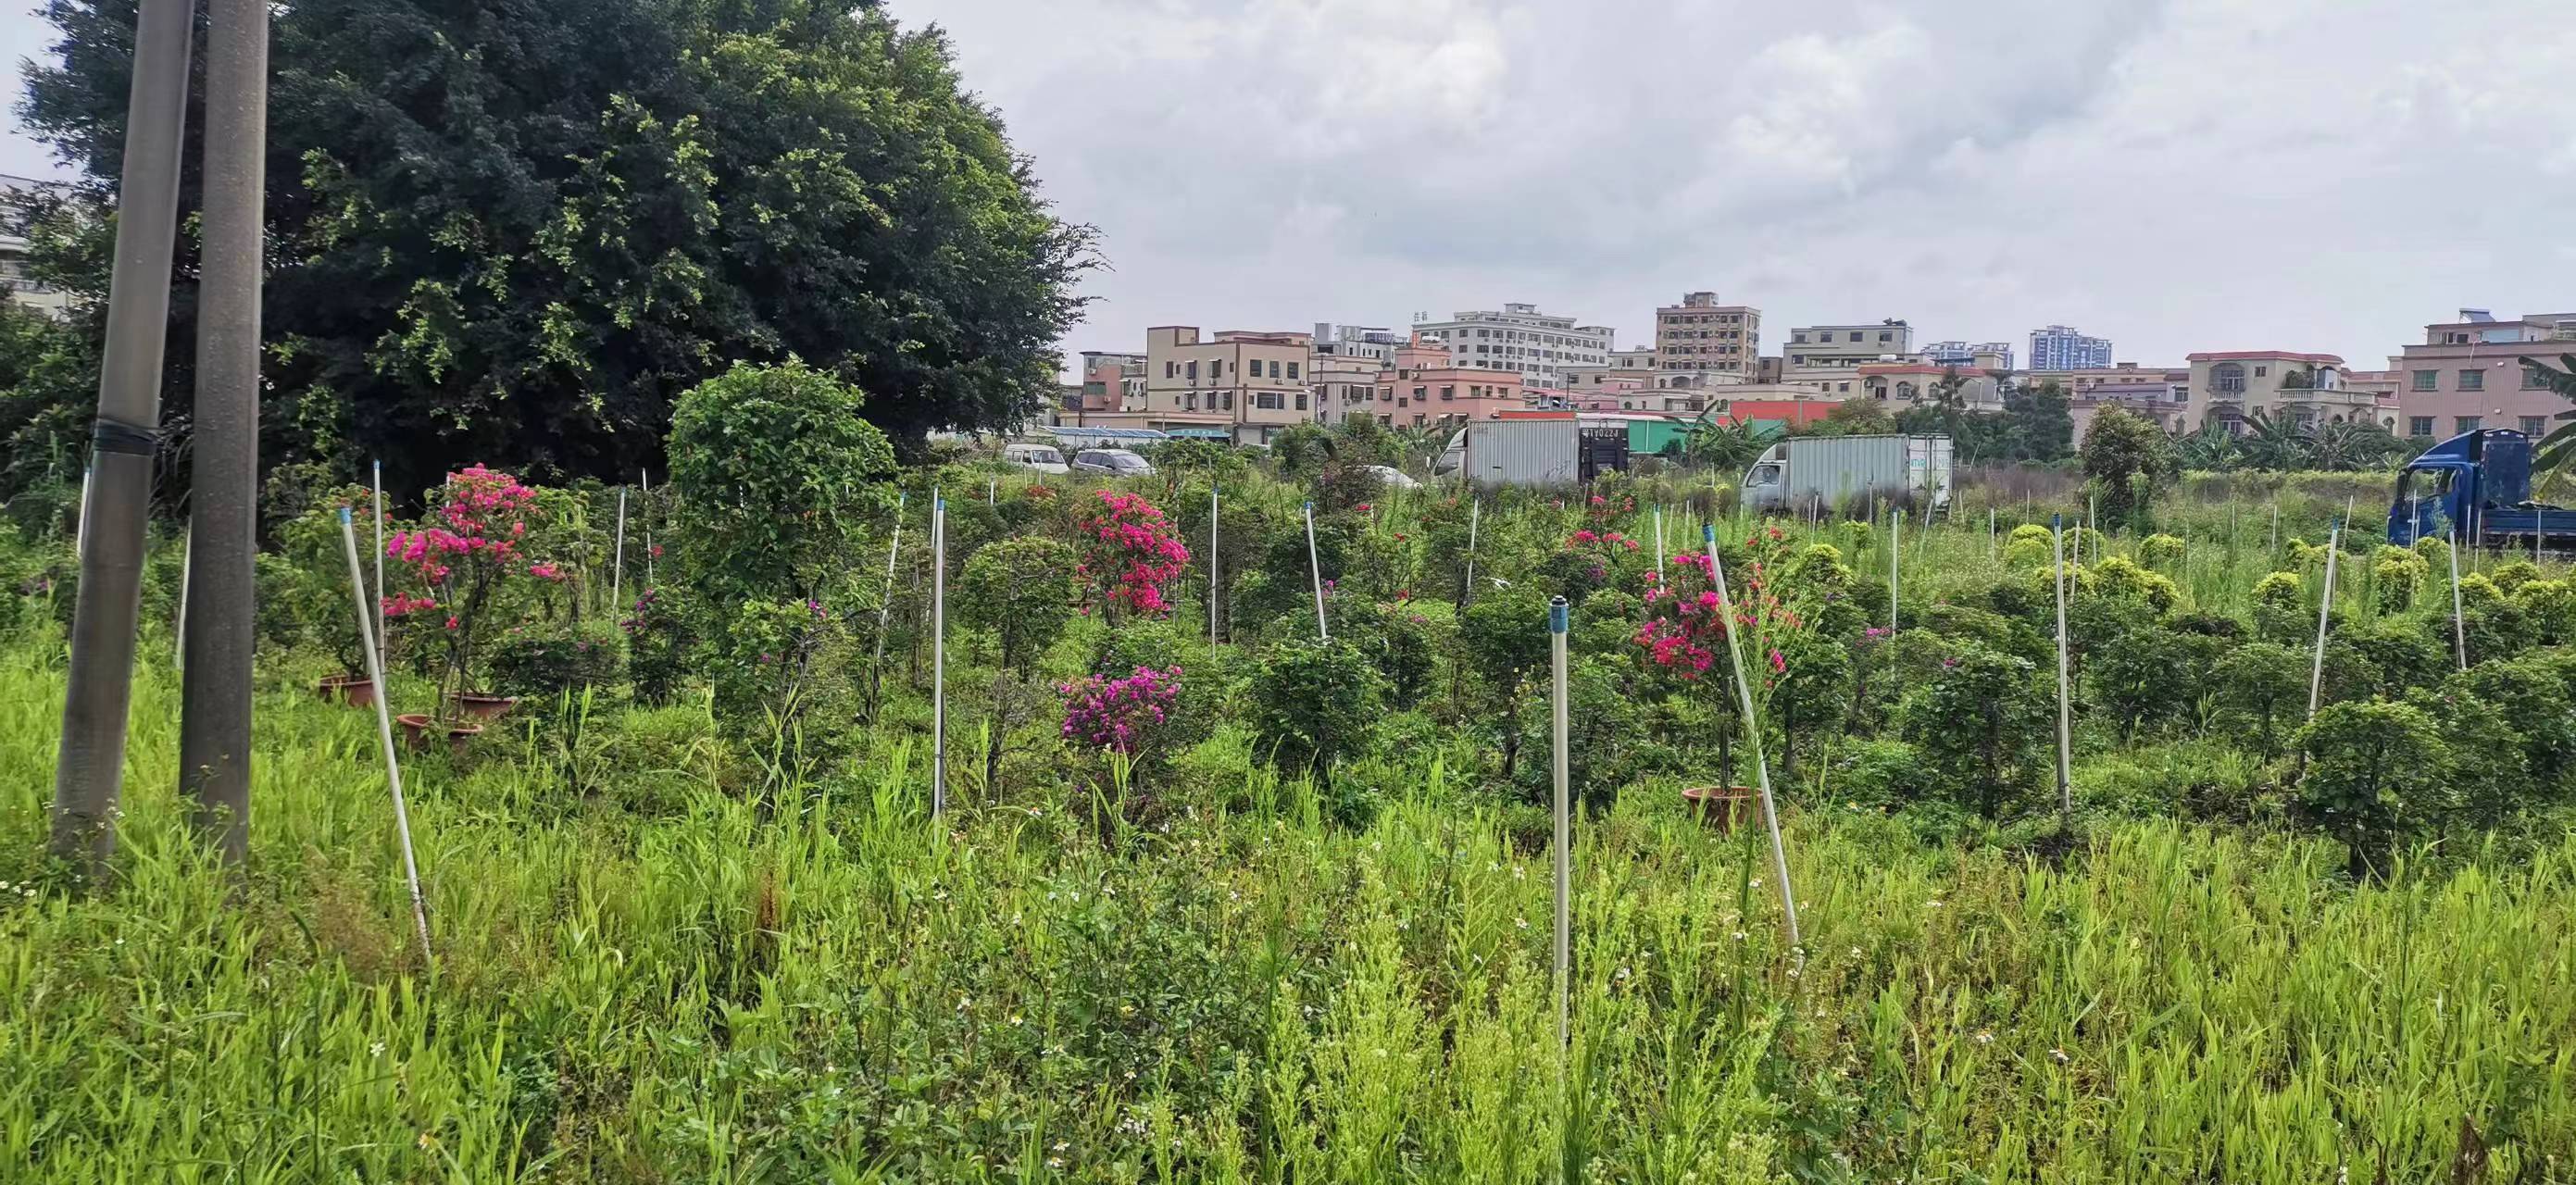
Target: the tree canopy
(515, 232)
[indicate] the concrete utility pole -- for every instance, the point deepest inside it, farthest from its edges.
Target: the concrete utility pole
(214, 721)
(89, 768)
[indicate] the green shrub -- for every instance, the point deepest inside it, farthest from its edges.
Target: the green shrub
(1311, 704)
(777, 476)
(1024, 590)
(2262, 687)
(2160, 550)
(1875, 774)
(2375, 772)
(1984, 722)
(541, 661)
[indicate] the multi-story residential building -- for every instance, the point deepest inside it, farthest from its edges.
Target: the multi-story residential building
(2468, 374)
(1701, 336)
(1107, 379)
(2124, 374)
(2165, 404)
(1986, 356)
(2060, 347)
(20, 197)
(2233, 385)
(1829, 357)
(1767, 373)
(1375, 343)
(1901, 385)
(1240, 385)
(1519, 338)
(1427, 385)
(1343, 386)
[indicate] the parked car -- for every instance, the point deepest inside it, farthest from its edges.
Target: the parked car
(1392, 477)
(1041, 457)
(1112, 462)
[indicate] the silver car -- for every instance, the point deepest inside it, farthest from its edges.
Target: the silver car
(1111, 462)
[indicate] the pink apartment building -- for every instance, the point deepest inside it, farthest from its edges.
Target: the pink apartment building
(2469, 374)
(1423, 387)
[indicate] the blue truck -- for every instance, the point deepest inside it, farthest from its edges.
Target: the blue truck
(2478, 484)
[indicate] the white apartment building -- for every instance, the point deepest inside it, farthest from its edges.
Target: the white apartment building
(1371, 342)
(1518, 337)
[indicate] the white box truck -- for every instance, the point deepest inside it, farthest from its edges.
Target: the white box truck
(1833, 471)
(1516, 453)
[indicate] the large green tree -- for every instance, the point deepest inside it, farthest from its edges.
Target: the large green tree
(514, 231)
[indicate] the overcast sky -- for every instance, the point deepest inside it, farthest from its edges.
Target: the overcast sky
(2177, 175)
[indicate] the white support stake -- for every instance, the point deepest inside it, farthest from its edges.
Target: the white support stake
(1212, 573)
(938, 655)
(2459, 627)
(2092, 528)
(647, 495)
(385, 732)
(2325, 615)
(377, 509)
(1990, 532)
(1659, 543)
(1564, 810)
(617, 566)
(885, 604)
(1475, 510)
(1753, 736)
(2065, 710)
(1315, 568)
(1895, 550)
(187, 568)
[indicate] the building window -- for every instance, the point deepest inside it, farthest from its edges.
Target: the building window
(1292, 370)
(2534, 378)
(2419, 425)
(1194, 370)
(1301, 401)
(2535, 425)
(1886, 337)
(2260, 371)
(1266, 400)
(1448, 392)
(2227, 378)
(2428, 380)
(1189, 401)
(2464, 423)
(2473, 380)
(1420, 392)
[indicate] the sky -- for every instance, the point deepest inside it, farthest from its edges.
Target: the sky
(2176, 175)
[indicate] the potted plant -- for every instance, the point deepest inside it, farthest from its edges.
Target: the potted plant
(465, 559)
(317, 590)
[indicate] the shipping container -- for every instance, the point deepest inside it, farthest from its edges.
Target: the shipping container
(1835, 471)
(1521, 452)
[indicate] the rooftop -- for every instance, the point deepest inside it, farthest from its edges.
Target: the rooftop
(2264, 356)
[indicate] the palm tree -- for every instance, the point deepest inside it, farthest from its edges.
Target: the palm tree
(2556, 456)
(2211, 449)
(2276, 442)
(1730, 447)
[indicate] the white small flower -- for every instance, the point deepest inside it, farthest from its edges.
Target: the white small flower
(376, 1050)
(2059, 1056)
(1985, 1038)
(1739, 936)
(1934, 903)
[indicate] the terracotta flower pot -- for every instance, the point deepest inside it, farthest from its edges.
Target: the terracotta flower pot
(1722, 807)
(480, 706)
(418, 729)
(357, 691)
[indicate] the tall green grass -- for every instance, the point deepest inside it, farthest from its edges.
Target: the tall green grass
(675, 986)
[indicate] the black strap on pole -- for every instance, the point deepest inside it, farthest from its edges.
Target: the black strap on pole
(112, 436)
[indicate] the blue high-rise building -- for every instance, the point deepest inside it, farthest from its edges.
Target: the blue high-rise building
(2060, 347)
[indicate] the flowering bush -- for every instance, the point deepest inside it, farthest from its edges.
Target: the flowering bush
(1122, 715)
(1684, 627)
(472, 544)
(1129, 553)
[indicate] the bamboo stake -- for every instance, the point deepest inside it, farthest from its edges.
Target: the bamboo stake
(1564, 812)
(2459, 627)
(885, 607)
(385, 732)
(378, 484)
(2325, 615)
(1212, 574)
(938, 655)
(187, 568)
(2065, 711)
(1315, 568)
(1753, 736)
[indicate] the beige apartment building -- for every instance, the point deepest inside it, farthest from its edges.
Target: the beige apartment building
(1829, 357)
(2231, 386)
(1240, 385)
(1427, 386)
(2468, 374)
(1344, 385)
(1701, 336)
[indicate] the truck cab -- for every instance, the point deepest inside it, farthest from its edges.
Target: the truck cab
(2477, 487)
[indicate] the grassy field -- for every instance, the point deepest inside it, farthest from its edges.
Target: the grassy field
(665, 981)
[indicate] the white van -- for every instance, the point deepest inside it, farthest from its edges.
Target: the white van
(1041, 457)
